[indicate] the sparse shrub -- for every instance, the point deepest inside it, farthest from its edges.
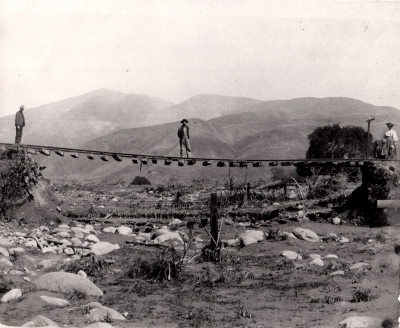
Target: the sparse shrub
(139, 181)
(361, 294)
(6, 284)
(17, 182)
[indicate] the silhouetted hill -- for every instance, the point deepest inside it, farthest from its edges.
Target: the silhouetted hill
(273, 130)
(252, 129)
(73, 121)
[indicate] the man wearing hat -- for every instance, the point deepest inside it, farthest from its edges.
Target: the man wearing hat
(391, 140)
(183, 135)
(19, 124)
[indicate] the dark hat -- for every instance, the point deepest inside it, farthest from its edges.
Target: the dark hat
(185, 120)
(390, 125)
(21, 107)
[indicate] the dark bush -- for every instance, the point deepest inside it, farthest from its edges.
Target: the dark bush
(139, 181)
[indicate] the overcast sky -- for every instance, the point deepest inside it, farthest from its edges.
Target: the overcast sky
(52, 50)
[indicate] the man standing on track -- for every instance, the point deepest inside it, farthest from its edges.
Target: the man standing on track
(19, 124)
(391, 140)
(183, 134)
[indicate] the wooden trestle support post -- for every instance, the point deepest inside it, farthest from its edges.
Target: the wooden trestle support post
(214, 218)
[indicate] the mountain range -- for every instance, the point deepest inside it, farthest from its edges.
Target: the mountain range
(220, 126)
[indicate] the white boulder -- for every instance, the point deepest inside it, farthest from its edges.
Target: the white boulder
(59, 302)
(103, 247)
(361, 322)
(291, 255)
(13, 294)
(124, 230)
(317, 262)
(92, 238)
(336, 220)
(306, 234)
(110, 230)
(66, 282)
(251, 237)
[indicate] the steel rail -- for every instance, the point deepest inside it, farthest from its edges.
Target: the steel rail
(177, 158)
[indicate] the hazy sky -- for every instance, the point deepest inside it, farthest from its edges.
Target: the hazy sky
(51, 50)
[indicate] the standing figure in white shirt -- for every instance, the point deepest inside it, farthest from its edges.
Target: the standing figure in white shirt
(391, 140)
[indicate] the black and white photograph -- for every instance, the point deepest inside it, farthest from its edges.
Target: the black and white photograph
(199, 163)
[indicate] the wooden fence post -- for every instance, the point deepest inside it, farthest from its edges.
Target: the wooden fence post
(214, 218)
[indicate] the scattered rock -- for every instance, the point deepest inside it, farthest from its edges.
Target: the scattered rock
(5, 264)
(159, 232)
(59, 302)
(103, 247)
(92, 238)
(67, 283)
(69, 251)
(146, 236)
(339, 272)
(315, 256)
(360, 322)
(176, 223)
(331, 256)
(4, 252)
(16, 250)
(344, 240)
(123, 230)
(306, 234)
(359, 266)
(172, 238)
(13, 294)
(287, 235)
(5, 242)
(75, 241)
(64, 234)
(317, 262)
(336, 220)
(15, 272)
(27, 279)
(31, 244)
(82, 273)
(48, 249)
(101, 313)
(40, 321)
(100, 325)
(291, 255)
(110, 230)
(251, 237)
(231, 242)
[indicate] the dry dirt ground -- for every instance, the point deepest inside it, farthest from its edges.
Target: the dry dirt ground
(252, 286)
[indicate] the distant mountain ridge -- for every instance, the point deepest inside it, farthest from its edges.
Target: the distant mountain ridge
(272, 130)
(220, 126)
